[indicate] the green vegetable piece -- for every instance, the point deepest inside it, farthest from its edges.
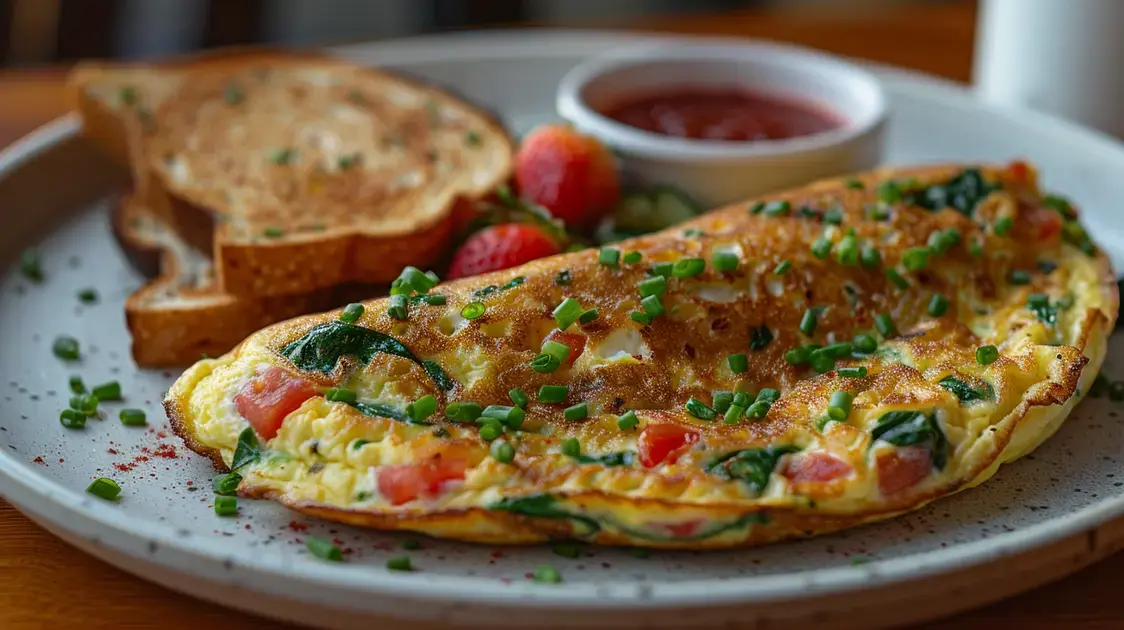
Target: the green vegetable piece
(31, 266)
(579, 411)
(609, 256)
(323, 549)
(107, 391)
(246, 451)
(340, 394)
(226, 506)
(688, 267)
(753, 467)
(821, 247)
(782, 268)
(986, 355)
(422, 408)
(567, 312)
(632, 257)
(910, 428)
(65, 348)
(226, 484)
(351, 313)
(463, 411)
(550, 394)
(809, 322)
(546, 574)
(627, 420)
(72, 419)
(104, 488)
(724, 261)
(133, 417)
(699, 409)
(966, 392)
(864, 343)
(502, 451)
(656, 285)
(519, 397)
(760, 337)
(738, 363)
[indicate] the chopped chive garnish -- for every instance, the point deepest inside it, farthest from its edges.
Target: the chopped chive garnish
(986, 355)
(632, 257)
(758, 410)
(491, 431)
(870, 257)
(72, 419)
(777, 208)
(351, 313)
(724, 261)
(627, 420)
(545, 363)
(878, 212)
(798, 355)
(104, 488)
(738, 363)
(938, 305)
(571, 447)
(609, 256)
(398, 308)
(885, 325)
(833, 216)
(472, 138)
(838, 350)
(86, 403)
(889, 192)
(742, 399)
(226, 484)
(652, 305)
(688, 267)
(722, 400)
(340, 394)
(282, 157)
(975, 248)
(557, 350)
(839, 405)
(107, 391)
(433, 299)
(347, 161)
(782, 268)
(756, 207)
(563, 278)
(661, 269)
(809, 322)
(226, 506)
(656, 285)
(915, 258)
(567, 312)
(854, 184)
(553, 393)
(77, 386)
(864, 343)
(822, 247)
(65, 348)
(1003, 226)
(1018, 277)
(733, 414)
(422, 408)
(699, 409)
(546, 574)
(273, 232)
(473, 310)
(822, 362)
(88, 296)
(588, 316)
(463, 411)
(502, 451)
(133, 417)
(577, 412)
(896, 279)
(323, 549)
(511, 417)
(640, 317)
(852, 372)
(519, 397)
(30, 266)
(232, 94)
(400, 563)
(848, 251)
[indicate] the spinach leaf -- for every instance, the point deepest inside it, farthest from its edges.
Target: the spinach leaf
(909, 428)
(760, 337)
(492, 288)
(752, 466)
(620, 458)
(965, 392)
(753, 518)
(321, 348)
(247, 451)
(543, 506)
(963, 193)
(379, 410)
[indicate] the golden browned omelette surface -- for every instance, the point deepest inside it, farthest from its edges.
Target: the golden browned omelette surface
(815, 360)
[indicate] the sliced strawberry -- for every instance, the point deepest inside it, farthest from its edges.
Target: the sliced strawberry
(406, 482)
(664, 442)
(902, 468)
(569, 173)
(575, 342)
(817, 466)
(501, 247)
(269, 397)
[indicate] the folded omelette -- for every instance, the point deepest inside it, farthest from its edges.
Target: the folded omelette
(800, 364)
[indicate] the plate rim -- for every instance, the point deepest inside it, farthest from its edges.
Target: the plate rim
(745, 590)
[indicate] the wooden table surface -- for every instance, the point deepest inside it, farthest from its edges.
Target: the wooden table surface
(45, 583)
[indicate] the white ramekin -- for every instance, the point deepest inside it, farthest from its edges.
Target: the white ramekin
(717, 172)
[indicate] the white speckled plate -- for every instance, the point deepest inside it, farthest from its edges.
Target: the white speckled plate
(1048, 513)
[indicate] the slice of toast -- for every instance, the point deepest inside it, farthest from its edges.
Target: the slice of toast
(301, 171)
(182, 314)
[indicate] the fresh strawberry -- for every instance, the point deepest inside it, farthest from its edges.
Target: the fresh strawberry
(501, 247)
(569, 173)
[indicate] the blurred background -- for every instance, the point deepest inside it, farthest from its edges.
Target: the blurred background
(34, 32)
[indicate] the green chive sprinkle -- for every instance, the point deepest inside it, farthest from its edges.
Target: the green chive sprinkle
(661, 269)
(567, 313)
(758, 410)
(822, 247)
(133, 417)
(72, 419)
(422, 408)
(65, 348)
(579, 411)
(688, 267)
(88, 296)
(399, 308)
(986, 355)
(627, 420)
(782, 268)
(609, 256)
(632, 257)
(546, 574)
(545, 363)
(433, 299)
(733, 414)
(724, 261)
(491, 431)
(226, 484)
(273, 232)
(777, 208)
(839, 405)
(809, 322)
(323, 549)
(879, 211)
(571, 447)
(104, 488)
(896, 279)
(473, 310)
(652, 305)
(351, 313)
(463, 411)
(232, 95)
(742, 399)
(656, 285)
(797, 356)
(889, 192)
(77, 386)
(553, 393)
(282, 157)
(472, 138)
(519, 397)
(975, 248)
(640, 317)
(756, 207)
(870, 257)
(347, 161)
(822, 362)
(738, 363)
(864, 343)
(226, 506)
(558, 350)
(885, 325)
(30, 265)
(833, 216)
(1003, 226)
(839, 350)
(340, 394)
(847, 253)
(1018, 277)
(502, 451)
(722, 400)
(938, 305)
(852, 372)
(86, 403)
(854, 184)
(915, 258)
(511, 417)
(588, 316)
(699, 409)
(107, 391)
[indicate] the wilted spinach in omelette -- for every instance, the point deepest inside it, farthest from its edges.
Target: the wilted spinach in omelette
(796, 365)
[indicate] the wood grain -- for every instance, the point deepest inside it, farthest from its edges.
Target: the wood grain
(44, 583)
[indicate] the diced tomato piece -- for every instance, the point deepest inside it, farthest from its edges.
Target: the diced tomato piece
(269, 397)
(816, 466)
(1044, 223)
(575, 341)
(903, 468)
(1018, 171)
(405, 482)
(685, 529)
(664, 442)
